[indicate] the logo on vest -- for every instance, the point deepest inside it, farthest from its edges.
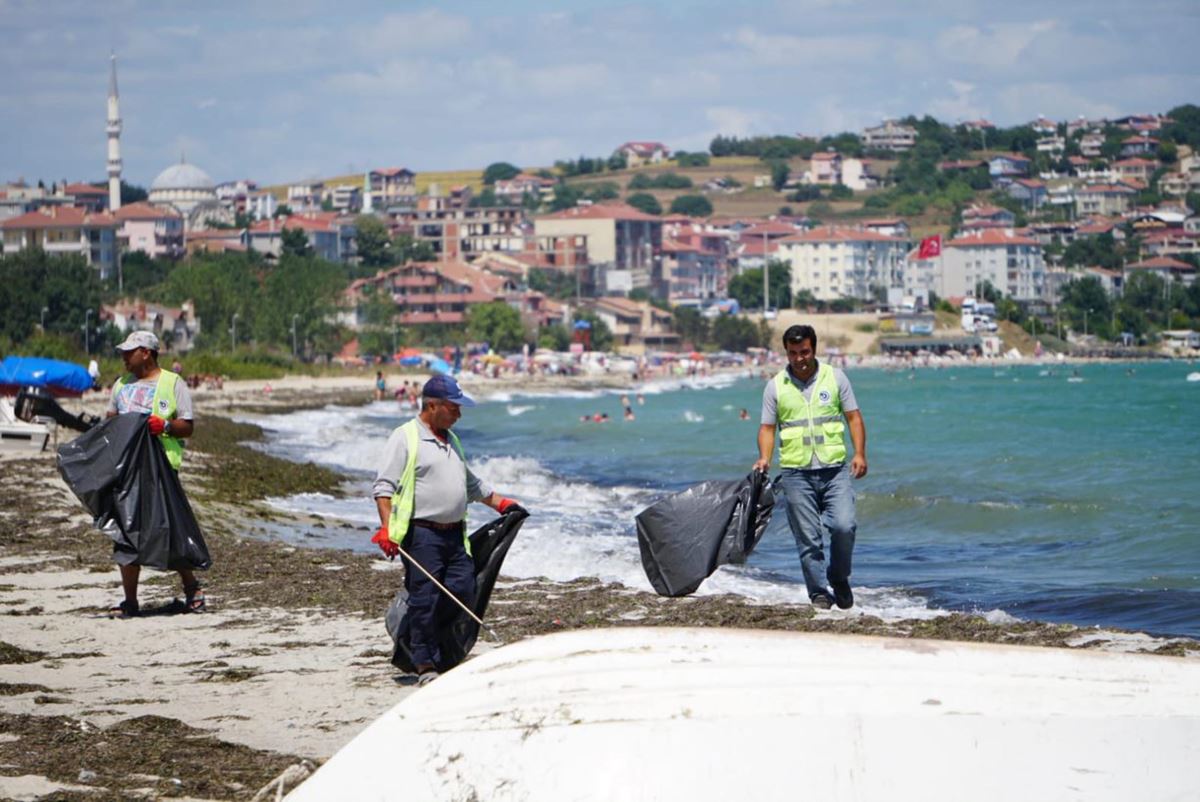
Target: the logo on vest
(824, 397)
(162, 405)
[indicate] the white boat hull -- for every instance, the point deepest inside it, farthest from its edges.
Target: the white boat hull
(714, 714)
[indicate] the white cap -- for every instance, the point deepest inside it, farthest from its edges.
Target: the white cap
(139, 339)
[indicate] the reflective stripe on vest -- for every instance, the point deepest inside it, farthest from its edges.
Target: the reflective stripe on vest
(808, 427)
(404, 499)
(162, 405)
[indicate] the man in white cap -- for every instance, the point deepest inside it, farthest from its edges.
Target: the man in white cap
(147, 388)
(421, 492)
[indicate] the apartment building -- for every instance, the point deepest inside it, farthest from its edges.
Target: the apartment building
(622, 241)
(330, 235)
(834, 263)
(66, 230)
(153, 230)
(891, 135)
(1103, 199)
(1012, 263)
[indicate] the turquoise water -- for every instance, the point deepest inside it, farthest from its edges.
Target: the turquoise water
(1010, 491)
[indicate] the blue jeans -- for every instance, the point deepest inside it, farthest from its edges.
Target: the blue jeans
(442, 553)
(821, 501)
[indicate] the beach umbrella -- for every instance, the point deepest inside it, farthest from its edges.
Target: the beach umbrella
(438, 365)
(410, 361)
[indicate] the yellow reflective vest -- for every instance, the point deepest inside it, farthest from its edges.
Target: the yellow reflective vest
(404, 499)
(163, 405)
(813, 426)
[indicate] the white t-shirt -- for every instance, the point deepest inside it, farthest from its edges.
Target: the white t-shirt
(137, 396)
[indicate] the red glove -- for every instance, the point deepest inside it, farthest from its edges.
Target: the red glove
(156, 425)
(504, 505)
(389, 549)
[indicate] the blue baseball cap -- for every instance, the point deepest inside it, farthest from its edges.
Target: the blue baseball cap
(447, 389)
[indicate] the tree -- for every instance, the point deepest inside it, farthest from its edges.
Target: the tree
(840, 192)
(645, 202)
(602, 191)
(692, 206)
(779, 175)
(497, 324)
(294, 241)
(690, 325)
(306, 287)
(485, 200)
(746, 288)
(734, 333)
(131, 193)
(377, 332)
(31, 279)
(551, 281)
(374, 241)
(405, 249)
(139, 272)
(641, 181)
(500, 171)
(219, 285)
(565, 197)
(555, 337)
(1087, 305)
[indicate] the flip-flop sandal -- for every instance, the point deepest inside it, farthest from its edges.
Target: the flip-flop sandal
(125, 609)
(195, 603)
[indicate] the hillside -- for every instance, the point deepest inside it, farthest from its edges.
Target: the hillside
(443, 178)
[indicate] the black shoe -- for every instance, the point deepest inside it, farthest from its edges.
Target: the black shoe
(842, 594)
(821, 601)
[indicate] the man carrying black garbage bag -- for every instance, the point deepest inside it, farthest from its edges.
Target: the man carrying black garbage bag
(806, 402)
(147, 388)
(422, 491)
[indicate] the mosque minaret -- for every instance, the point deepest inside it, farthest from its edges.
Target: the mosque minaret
(114, 140)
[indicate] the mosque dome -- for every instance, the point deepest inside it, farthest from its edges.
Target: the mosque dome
(183, 176)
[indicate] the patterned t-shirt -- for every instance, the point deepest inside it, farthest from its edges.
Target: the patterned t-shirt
(137, 396)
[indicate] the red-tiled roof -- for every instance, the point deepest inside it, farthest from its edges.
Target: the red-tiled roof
(602, 211)
(643, 148)
(391, 172)
(84, 189)
(60, 217)
(1161, 263)
(1135, 161)
(989, 237)
(145, 211)
(833, 234)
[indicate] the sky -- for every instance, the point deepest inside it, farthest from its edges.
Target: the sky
(287, 91)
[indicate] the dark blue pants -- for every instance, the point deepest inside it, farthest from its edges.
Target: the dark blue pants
(441, 553)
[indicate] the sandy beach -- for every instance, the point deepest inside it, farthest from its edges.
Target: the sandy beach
(291, 659)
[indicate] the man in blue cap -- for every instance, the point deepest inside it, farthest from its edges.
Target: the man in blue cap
(422, 491)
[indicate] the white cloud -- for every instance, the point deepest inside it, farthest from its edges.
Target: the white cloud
(994, 46)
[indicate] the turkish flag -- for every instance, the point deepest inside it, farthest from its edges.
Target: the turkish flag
(930, 247)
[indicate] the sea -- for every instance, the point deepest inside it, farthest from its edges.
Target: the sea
(1061, 493)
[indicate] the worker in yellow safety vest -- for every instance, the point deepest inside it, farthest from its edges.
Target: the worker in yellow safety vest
(809, 403)
(421, 493)
(147, 388)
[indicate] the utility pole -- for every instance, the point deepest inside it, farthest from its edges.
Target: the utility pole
(766, 277)
(87, 334)
(294, 317)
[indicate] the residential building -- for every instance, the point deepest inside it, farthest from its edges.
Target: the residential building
(1174, 241)
(1009, 165)
(305, 197)
(1113, 281)
(514, 190)
(392, 187)
(694, 261)
(961, 166)
(639, 153)
(1043, 126)
(987, 216)
(1032, 193)
(1165, 268)
(1103, 199)
(825, 169)
(86, 196)
(458, 232)
(1176, 185)
(1135, 168)
(217, 240)
(429, 293)
(234, 195)
(344, 198)
(66, 230)
(978, 125)
(330, 235)
(891, 135)
(622, 242)
(888, 226)
(175, 327)
(833, 263)
(1053, 145)
(1013, 264)
(1140, 145)
(153, 230)
(1090, 144)
(261, 205)
(636, 325)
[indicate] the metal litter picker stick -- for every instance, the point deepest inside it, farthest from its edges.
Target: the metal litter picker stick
(446, 590)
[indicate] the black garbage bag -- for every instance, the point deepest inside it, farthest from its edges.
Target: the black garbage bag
(685, 537)
(456, 632)
(121, 474)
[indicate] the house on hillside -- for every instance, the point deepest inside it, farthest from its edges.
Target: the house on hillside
(153, 230)
(1140, 145)
(176, 327)
(987, 216)
(1009, 165)
(638, 153)
(1103, 199)
(1029, 191)
(636, 325)
(890, 135)
(392, 187)
(1165, 268)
